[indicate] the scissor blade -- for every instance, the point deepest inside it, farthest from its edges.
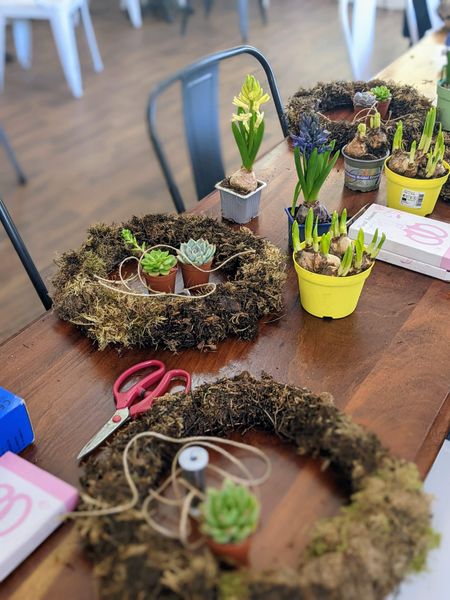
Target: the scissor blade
(119, 418)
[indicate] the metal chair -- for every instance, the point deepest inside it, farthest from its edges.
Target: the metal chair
(24, 256)
(199, 86)
(21, 178)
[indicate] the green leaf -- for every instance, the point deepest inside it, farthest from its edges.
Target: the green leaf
(241, 146)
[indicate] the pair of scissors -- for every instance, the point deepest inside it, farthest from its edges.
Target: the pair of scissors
(137, 399)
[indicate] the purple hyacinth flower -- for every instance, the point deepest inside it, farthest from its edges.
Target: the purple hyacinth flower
(311, 135)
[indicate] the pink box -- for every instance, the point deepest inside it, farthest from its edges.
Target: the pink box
(31, 504)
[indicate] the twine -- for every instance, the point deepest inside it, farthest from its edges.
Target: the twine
(183, 503)
(110, 283)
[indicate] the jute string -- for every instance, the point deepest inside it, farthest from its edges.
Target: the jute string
(111, 283)
(185, 493)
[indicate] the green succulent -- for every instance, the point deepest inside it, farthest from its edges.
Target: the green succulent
(158, 262)
(197, 252)
(381, 92)
(131, 242)
(229, 514)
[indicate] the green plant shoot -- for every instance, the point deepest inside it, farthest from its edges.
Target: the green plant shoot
(315, 236)
(131, 242)
(397, 142)
(427, 133)
(373, 253)
(412, 152)
(334, 227)
(296, 237)
(346, 262)
(325, 243)
(343, 223)
(309, 223)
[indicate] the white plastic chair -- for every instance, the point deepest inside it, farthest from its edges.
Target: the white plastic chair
(134, 11)
(61, 15)
(359, 37)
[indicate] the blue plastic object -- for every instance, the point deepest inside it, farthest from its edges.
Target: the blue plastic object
(199, 84)
(16, 432)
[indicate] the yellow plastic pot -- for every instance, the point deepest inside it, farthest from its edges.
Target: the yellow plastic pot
(416, 196)
(325, 296)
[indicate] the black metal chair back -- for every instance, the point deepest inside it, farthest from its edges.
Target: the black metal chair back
(24, 256)
(199, 85)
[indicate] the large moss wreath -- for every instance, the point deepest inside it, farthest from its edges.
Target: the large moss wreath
(253, 288)
(407, 104)
(362, 553)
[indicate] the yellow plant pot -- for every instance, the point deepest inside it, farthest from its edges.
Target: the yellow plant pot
(325, 296)
(416, 196)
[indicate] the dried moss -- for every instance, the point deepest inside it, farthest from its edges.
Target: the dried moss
(252, 291)
(364, 552)
(407, 103)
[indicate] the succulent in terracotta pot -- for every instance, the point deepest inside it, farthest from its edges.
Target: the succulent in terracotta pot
(383, 98)
(229, 516)
(195, 258)
(160, 270)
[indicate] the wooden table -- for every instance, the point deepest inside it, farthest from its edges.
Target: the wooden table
(387, 365)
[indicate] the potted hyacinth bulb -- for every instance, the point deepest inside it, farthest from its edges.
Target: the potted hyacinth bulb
(158, 267)
(331, 268)
(241, 192)
(415, 176)
(365, 155)
(195, 258)
(314, 159)
(229, 516)
(443, 91)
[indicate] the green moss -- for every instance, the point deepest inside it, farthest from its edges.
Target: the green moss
(233, 586)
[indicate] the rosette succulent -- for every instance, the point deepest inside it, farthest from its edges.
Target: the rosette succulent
(381, 93)
(364, 99)
(196, 252)
(158, 262)
(314, 159)
(229, 514)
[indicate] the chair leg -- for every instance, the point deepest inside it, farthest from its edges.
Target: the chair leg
(243, 19)
(208, 4)
(134, 12)
(66, 43)
(23, 36)
(2, 51)
(24, 256)
(186, 12)
(90, 37)
(263, 6)
(21, 177)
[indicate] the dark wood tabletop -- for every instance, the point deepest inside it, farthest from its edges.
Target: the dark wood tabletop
(388, 365)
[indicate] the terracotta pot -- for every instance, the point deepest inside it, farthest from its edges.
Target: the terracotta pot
(383, 108)
(236, 553)
(161, 283)
(195, 275)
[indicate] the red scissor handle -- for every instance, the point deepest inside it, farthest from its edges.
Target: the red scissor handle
(162, 387)
(125, 399)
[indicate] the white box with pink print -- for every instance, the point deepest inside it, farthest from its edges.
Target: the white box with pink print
(412, 242)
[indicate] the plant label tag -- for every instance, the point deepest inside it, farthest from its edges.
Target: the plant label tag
(411, 199)
(31, 504)
(16, 432)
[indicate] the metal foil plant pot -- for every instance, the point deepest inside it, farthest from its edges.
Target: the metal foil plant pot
(237, 207)
(363, 175)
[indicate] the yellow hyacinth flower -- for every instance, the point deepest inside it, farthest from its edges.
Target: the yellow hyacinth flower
(259, 119)
(240, 103)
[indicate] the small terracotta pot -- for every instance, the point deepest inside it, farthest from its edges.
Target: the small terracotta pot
(362, 111)
(236, 553)
(383, 108)
(195, 275)
(161, 283)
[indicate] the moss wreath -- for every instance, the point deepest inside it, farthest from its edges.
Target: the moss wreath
(363, 552)
(407, 104)
(252, 291)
